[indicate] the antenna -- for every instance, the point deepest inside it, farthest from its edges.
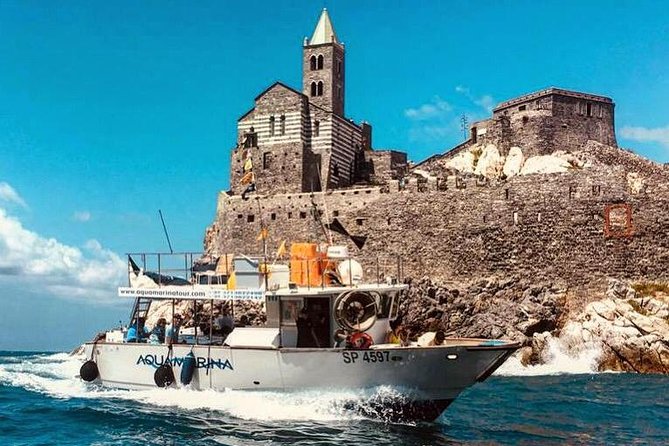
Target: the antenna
(463, 125)
(167, 236)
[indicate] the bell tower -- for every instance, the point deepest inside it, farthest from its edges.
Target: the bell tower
(323, 67)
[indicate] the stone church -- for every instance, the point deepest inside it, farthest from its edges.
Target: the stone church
(301, 141)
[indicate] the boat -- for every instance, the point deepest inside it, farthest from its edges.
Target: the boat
(349, 351)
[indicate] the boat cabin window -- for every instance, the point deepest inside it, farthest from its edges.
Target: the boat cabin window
(290, 307)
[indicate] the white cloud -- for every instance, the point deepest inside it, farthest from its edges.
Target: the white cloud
(430, 110)
(8, 194)
(644, 134)
(82, 216)
(46, 266)
(486, 102)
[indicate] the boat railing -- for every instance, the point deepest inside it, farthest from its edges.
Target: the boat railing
(196, 268)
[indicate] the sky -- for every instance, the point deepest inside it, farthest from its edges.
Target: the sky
(110, 111)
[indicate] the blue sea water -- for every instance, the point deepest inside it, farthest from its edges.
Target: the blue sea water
(42, 403)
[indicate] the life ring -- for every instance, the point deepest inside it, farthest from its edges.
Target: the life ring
(361, 341)
(356, 310)
(89, 371)
(163, 376)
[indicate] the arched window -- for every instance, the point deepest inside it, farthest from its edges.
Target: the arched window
(312, 63)
(320, 89)
(313, 88)
(282, 124)
(317, 128)
(271, 126)
(320, 61)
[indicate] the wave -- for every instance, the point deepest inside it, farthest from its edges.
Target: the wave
(558, 360)
(55, 375)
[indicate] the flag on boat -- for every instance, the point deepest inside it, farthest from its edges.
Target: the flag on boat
(248, 178)
(248, 164)
(264, 233)
(282, 249)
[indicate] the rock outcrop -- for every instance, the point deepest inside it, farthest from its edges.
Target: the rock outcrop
(489, 308)
(630, 326)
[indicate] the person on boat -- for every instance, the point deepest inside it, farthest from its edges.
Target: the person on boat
(172, 333)
(158, 333)
(137, 332)
(439, 338)
(322, 331)
(225, 323)
(396, 334)
(243, 321)
(342, 338)
(306, 337)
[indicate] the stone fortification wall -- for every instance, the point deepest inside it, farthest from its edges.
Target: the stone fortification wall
(558, 227)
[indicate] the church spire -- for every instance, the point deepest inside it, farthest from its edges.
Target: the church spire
(324, 32)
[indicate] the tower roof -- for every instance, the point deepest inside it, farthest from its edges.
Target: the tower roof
(324, 32)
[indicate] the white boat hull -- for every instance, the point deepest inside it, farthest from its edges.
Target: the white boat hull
(431, 376)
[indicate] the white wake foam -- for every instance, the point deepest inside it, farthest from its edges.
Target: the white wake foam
(56, 376)
(557, 360)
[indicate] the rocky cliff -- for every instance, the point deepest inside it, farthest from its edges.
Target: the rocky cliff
(628, 325)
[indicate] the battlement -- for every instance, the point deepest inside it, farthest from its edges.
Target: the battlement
(552, 91)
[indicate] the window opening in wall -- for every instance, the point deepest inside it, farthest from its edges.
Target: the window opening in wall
(313, 89)
(338, 92)
(335, 170)
(240, 216)
(506, 194)
(525, 119)
(320, 61)
(389, 220)
(339, 67)
(271, 126)
(317, 128)
(335, 213)
(359, 221)
(312, 63)
(290, 215)
(319, 91)
(588, 109)
(596, 190)
(303, 214)
(522, 108)
(266, 160)
(272, 216)
(283, 124)
(250, 218)
(250, 138)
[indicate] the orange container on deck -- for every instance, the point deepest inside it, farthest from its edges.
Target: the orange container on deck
(305, 264)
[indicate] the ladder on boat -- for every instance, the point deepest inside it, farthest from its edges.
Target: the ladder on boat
(140, 309)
